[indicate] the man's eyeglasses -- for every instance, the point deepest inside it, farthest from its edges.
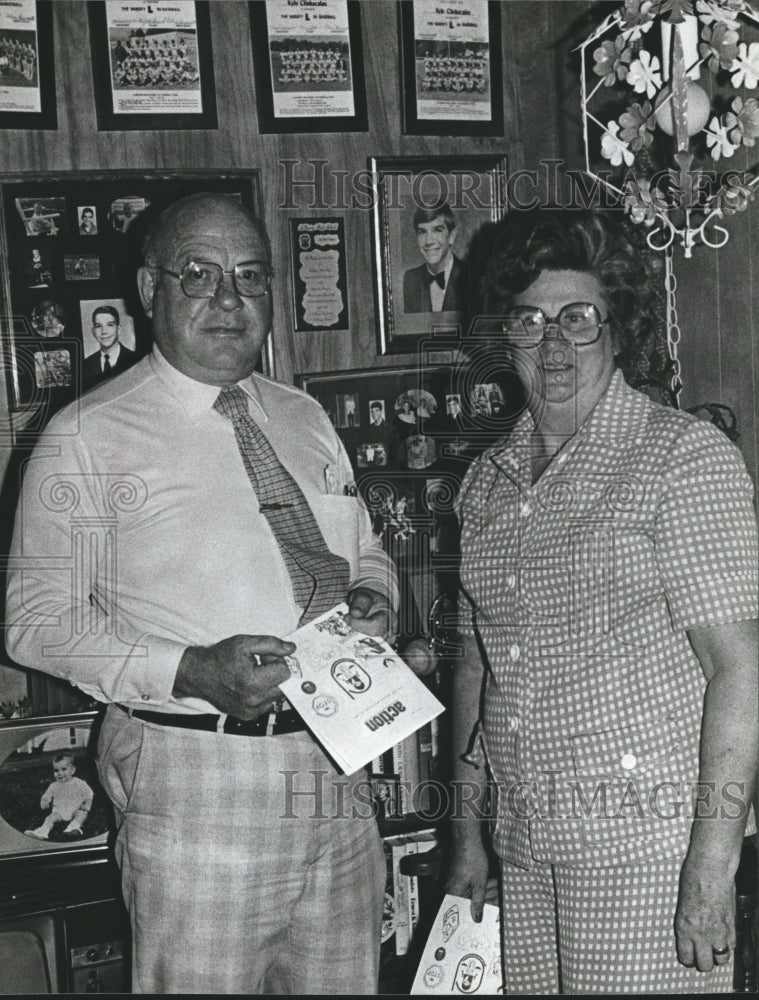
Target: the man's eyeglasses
(200, 279)
(578, 322)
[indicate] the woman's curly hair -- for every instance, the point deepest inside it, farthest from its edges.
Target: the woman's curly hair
(599, 243)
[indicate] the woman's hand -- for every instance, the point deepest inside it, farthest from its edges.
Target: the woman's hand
(705, 918)
(468, 873)
(420, 657)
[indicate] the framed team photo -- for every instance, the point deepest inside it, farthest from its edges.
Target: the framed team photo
(27, 65)
(451, 68)
(152, 65)
(308, 63)
(426, 216)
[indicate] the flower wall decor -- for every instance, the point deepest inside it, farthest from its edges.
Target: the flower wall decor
(651, 53)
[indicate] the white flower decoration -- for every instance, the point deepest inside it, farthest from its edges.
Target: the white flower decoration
(641, 12)
(717, 140)
(644, 74)
(612, 147)
(745, 68)
(636, 31)
(711, 12)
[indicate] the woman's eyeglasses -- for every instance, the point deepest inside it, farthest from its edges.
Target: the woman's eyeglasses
(578, 322)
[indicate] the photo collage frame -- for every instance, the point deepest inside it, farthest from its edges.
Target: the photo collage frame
(408, 453)
(73, 248)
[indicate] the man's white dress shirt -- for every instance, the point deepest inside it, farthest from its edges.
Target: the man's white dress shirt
(138, 532)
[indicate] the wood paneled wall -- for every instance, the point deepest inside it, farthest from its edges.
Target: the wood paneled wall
(718, 298)
(718, 305)
(541, 124)
(531, 132)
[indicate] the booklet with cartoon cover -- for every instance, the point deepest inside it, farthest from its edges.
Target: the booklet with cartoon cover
(461, 956)
(353, 691)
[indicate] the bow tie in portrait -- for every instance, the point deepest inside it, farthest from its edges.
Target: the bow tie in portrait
(438, 278)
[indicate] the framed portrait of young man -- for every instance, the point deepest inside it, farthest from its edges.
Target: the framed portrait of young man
(427, 217)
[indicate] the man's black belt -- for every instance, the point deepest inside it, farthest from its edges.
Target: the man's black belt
(284, 722)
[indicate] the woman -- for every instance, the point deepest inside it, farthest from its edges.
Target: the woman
(405, 410)
(609, 556)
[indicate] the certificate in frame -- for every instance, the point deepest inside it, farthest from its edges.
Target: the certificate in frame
(451, 75)
(308, 65)
(152, 65)
(319, 274)
(27, 65)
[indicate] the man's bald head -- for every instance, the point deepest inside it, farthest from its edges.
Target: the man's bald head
(188, 215)
(217, 338)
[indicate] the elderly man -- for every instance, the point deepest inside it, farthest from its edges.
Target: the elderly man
(248, 864)
(113, 357)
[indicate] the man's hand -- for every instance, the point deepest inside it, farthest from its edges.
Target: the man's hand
(705, 918)
(370, 612)
(239, 675)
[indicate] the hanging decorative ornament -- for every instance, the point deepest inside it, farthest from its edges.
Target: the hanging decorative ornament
(697, 104)
(659, 71)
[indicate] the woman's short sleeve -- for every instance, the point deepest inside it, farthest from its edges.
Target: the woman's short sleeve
(706, 532)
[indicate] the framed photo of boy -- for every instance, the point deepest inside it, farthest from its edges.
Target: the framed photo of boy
(152, 65)
(51, 801)
(426, 216)
(309, 66)
(451, 68)
(27, 65)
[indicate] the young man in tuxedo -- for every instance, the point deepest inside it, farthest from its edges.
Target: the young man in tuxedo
(435, 285)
